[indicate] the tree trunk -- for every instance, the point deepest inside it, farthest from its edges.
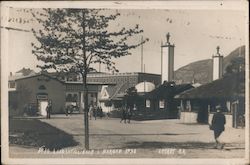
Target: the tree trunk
(85, 88)
(86, 111)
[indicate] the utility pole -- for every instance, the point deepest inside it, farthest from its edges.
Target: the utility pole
(141, 54)
(161, 60)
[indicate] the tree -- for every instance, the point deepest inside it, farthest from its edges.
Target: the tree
(73, 40)
(236, 65)
(131, 97)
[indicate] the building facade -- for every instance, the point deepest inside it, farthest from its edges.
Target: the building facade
(112, 96)
(34, 91)
(198, 104)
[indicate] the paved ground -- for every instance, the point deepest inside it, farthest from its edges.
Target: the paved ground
(151, 139)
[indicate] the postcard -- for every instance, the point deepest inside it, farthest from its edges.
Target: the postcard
(125, 82)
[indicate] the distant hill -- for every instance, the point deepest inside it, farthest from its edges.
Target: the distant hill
(201, 71)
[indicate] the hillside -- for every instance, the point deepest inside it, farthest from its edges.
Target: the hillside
(201, 71)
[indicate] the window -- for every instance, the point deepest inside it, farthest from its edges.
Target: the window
(69, 97)
(12, 84)
(161, 104)
(75, 97)
(148, 103)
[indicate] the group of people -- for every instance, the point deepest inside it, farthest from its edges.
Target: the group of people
(95, 111)
(126, 114)
(217, 125)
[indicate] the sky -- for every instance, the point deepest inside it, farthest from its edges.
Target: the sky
(195, 33)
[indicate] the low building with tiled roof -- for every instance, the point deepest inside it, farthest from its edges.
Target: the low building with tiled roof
(162, 98)
(199, 104)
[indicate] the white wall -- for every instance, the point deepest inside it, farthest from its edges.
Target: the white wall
(188, 117)
(217, 67)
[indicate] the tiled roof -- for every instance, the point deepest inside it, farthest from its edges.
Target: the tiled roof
(227, 87)
(16, 77)
(25, 72)
(168, 90)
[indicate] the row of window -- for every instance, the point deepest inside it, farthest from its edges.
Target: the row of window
(161, 103)
(73, 97)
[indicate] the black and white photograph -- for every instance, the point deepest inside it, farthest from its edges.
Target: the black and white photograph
(125, 82)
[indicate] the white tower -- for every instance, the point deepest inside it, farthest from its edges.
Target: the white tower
(167, 62)
(217, 65)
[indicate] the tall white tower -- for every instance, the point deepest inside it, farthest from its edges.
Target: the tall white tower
(167, 62)
(217, 65)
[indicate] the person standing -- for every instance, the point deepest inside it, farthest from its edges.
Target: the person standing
(218, 122)
(66, 110)
(123, 115)
(49, 109)
(94, 112)
(101, 112)
(129, 114)
(90, 111)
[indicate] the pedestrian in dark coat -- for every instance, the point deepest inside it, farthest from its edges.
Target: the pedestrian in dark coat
(101, 112)
(49, 109)
(94, 112)
(123, 115)
(66, 110)
(217, 126)
(129, 114)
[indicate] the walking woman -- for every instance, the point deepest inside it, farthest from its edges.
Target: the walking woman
(217, 126)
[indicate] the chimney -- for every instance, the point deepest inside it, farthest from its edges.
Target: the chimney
(217, 65)
(167, 62)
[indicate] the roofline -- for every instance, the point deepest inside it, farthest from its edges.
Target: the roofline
(204, 86)
(89, 83)
(38, 74)
(63, 82)
(119, 74)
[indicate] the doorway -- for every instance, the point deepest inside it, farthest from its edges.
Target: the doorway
(42, 107)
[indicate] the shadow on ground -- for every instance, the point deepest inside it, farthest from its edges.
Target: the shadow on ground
(176, 145)
(35, 133)
(135, 134)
